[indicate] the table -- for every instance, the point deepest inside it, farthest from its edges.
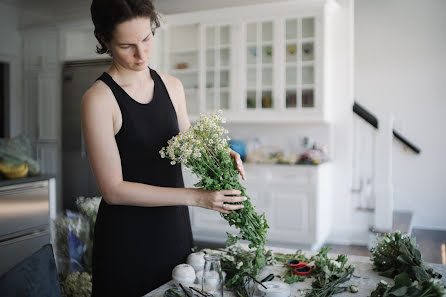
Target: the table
(366, 281)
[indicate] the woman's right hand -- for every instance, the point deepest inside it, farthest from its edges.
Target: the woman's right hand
(219, 200)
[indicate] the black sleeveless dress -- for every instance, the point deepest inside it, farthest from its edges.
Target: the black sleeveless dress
(136, 248)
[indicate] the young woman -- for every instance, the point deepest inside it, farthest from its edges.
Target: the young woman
(142, 229)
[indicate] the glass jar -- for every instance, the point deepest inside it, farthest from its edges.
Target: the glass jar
(212, 281)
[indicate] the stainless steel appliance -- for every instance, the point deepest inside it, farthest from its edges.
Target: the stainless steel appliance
(24, 221)
(77, 176)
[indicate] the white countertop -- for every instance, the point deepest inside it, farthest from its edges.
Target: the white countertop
(364, 277)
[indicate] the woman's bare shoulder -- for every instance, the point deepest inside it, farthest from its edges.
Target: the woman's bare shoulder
(98, 94)
(172, 83)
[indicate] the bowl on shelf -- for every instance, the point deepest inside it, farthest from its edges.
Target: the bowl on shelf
(182, 66)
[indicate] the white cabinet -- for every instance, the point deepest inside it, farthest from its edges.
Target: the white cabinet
(261, 63)
(296, 200)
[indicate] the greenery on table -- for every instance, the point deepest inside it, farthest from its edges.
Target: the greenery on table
(404, 286)
(288, 276)
(241, 267)
(329, 274)
(204, 150)
(397, 255)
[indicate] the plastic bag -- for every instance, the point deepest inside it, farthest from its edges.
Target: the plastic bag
(15, 151)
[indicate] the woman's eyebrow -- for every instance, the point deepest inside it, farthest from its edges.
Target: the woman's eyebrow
(132, 43)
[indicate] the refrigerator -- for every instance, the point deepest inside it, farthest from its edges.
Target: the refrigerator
(77, 176)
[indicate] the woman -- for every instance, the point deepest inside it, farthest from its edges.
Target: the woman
(142, 229)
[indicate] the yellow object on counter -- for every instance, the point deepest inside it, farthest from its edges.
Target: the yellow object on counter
(13, 172)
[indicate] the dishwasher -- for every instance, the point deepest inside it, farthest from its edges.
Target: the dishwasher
(24, 221)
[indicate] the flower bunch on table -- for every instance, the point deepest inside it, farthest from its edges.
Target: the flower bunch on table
(204, 150)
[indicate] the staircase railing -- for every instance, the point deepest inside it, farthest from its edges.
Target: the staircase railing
(373, 120)
(379, 158)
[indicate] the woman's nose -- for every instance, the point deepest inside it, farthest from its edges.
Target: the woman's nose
(139, 53)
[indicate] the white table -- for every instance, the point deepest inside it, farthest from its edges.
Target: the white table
(366, 281)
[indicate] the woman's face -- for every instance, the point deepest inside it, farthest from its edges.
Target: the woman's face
(132, 43)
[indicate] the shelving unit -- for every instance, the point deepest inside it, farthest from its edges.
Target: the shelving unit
(253, 66)
(299, 63)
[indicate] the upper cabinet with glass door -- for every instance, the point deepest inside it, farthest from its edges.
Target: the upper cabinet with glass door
(263, 62)
(259, 52)
(299, 60)
(183, 61)
(218, 54)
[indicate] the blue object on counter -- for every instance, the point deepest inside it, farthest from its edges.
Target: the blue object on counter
(239, 147)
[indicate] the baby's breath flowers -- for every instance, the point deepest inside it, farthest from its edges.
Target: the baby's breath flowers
(204, 150)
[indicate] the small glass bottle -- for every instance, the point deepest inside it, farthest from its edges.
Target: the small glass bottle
(212, 276)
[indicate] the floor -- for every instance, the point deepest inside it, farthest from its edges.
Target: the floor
(432, 245)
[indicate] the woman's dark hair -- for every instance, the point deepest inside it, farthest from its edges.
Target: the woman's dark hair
(107, 14)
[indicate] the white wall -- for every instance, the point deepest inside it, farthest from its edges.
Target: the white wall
(10, 51)
(400, 66)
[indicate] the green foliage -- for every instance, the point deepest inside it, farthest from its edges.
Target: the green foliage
(405, 287)
(76, 285)
(288, 275)
(397, 256)
(329, 274)
(398, 253)
(204, 150)
(242, 266)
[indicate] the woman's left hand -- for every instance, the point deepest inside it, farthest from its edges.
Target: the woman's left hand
(238, 162)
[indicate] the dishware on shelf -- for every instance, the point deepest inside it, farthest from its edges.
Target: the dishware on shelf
(183, 273)
(212, 281)
(182, 66)
(291, 49)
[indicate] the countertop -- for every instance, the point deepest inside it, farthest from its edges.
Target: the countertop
(17, 181)
(366, 282)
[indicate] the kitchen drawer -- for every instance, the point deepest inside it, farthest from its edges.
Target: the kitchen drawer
(23, 207)
(282, 174)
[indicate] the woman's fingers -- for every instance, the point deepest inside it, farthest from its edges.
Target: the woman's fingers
(227, 206)
(230, 192)
(235, 199)
(240, 168)
(238, 163)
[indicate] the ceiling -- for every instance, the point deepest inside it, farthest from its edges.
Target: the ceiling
(163, 6)
(34, 12)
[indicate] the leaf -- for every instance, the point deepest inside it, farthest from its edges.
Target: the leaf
(403, 280)
(403, 259)
(420, 273)
(400, 291)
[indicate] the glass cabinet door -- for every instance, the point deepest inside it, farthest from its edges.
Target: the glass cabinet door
(183, 61)
(259, 65)
(217, 65)
(299, 63)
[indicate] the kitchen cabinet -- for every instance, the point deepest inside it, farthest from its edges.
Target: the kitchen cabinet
(262, 63)
(296, 200)
(27, 207)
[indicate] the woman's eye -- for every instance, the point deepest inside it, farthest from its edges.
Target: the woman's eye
(125, 47)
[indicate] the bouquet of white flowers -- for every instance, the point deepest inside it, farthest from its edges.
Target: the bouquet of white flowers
(204, 150)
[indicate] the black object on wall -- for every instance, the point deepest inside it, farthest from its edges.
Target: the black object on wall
(373, 120)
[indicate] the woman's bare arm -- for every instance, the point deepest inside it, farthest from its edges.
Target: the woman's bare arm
(97, 126)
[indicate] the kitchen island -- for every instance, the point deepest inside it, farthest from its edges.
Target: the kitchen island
(364, 277)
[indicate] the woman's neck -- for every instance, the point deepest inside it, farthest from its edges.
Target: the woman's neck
(128, 77)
